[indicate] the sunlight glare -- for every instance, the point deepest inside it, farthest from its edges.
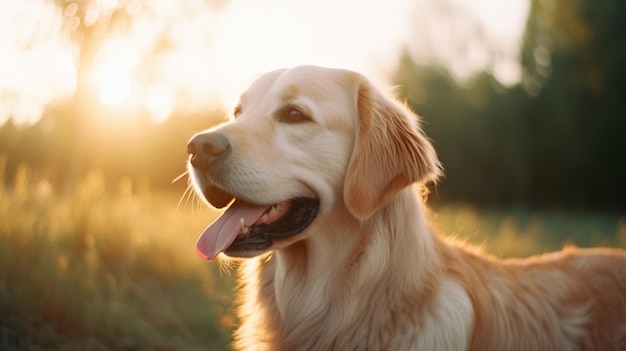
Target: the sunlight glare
(37, 64)
(505, 21)
(257, 37)
(470, 36)
(114, 69)
(160, 101)
(189, 56)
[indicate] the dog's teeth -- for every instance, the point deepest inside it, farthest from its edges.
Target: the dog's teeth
(273, 211)
(243, 228)
(265, 218)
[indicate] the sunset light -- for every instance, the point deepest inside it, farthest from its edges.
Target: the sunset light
(114, 70)
(162, 58)
(119, 129)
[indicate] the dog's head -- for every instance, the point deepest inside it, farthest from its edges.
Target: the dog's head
(303, 141)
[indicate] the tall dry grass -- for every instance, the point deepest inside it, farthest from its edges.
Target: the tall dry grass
(111, 267)
(524, 232)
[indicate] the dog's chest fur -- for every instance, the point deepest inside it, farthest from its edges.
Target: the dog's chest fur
(311, 320)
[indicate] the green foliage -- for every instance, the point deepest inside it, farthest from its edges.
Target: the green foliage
(557, 139)
(578, 118)
(477, 131)
(109, 267)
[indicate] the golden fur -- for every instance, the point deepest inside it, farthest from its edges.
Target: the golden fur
(370, 272)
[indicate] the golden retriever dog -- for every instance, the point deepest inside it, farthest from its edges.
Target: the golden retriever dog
(323, 178)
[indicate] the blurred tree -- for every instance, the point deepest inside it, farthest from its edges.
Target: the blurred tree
(82, 133)
(479, 138)
(91, 23)
(574, 58)
(556, 139)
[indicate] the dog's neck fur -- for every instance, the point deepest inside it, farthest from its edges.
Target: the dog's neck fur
(318, 287)
(331, 292)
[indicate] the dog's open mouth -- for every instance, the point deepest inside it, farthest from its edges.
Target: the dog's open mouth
(246, 229)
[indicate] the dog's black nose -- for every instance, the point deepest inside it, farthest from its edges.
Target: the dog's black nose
(206, 148)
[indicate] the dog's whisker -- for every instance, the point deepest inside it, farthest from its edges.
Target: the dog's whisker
(193, 199)
(180, 177)
(196, 201)
(185, 197)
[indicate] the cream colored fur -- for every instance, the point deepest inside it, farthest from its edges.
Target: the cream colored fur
(370, 273)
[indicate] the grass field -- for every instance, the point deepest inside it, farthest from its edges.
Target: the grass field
(113, 266)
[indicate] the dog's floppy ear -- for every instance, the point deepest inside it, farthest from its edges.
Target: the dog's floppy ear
(390, 153)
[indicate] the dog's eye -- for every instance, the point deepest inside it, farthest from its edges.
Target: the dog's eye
(292, 114)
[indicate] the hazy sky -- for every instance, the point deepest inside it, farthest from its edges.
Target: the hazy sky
(217, 54)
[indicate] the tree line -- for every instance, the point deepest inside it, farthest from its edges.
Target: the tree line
(555, 139)
(558, 139)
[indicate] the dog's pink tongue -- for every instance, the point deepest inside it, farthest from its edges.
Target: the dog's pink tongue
(220, 234)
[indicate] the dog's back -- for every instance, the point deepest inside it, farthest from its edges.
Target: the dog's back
(569, 300)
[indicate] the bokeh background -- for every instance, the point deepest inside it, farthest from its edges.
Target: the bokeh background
(525, 101)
